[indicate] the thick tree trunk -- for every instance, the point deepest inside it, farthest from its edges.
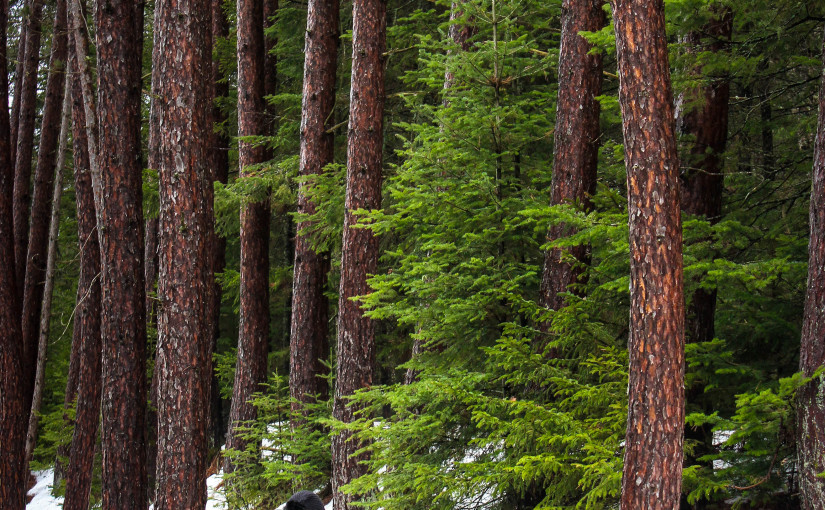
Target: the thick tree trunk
(119, 44)
(576, 152)
(12, 410)
(86, 335)
(24, 146)
(359, 252)
(48, 288)
(810, 409)
(220, 169)
(253, 336)
(653, 444)
(309, 328)
(182, 57)
(43, 188)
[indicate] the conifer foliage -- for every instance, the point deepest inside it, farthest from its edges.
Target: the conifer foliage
(453, 254)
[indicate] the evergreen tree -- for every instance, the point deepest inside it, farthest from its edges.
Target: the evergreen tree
(359, 247)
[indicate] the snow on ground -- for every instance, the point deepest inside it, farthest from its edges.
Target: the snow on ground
(43, 499)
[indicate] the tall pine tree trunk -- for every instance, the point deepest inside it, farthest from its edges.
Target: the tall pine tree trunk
(652, 473)
(253, 337)
(576, 152)
(119, 45)
(220, 169)
(86, 335)
(43, 187)
(182, 58)
(23, 153)
(359, 252)
(810, 408)
(12, 410)
(309, 328)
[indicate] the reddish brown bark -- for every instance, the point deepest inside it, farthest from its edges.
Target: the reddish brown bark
(182, 57)
(652, 473)
(43, 186)
(12, 410)
(220, 169)
(359, 252)
(810, 409)
(119, 31)
(309, 329)
(576, 152)
(86, 337)
(253, 337)
(23, 149)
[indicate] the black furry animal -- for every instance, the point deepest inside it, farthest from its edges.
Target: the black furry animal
(304, 500)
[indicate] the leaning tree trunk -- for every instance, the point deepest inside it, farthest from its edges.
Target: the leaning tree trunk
(253, 337)
(220, 169)
(309, 328)
(24, 146)
(12, 410)
(652, 473)
(86, 335)
(576, 145)
(119, 46)
(182, 58)
(48, 287)
(359, 252)
(43, 183)
(810, 408)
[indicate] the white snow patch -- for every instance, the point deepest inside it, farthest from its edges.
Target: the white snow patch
(42, 492)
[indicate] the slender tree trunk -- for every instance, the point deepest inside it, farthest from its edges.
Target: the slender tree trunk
(12, 410)
(576, 151)
(48, 288)
(309, 328)
(220, 169)
(653, 444)
(183, 56)
(359, 252)
(86, 335)
(810, 408)
(18, 80)
(119, 45)
(254, 323)
(23, 155)
(701, 193)
(43, 184)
